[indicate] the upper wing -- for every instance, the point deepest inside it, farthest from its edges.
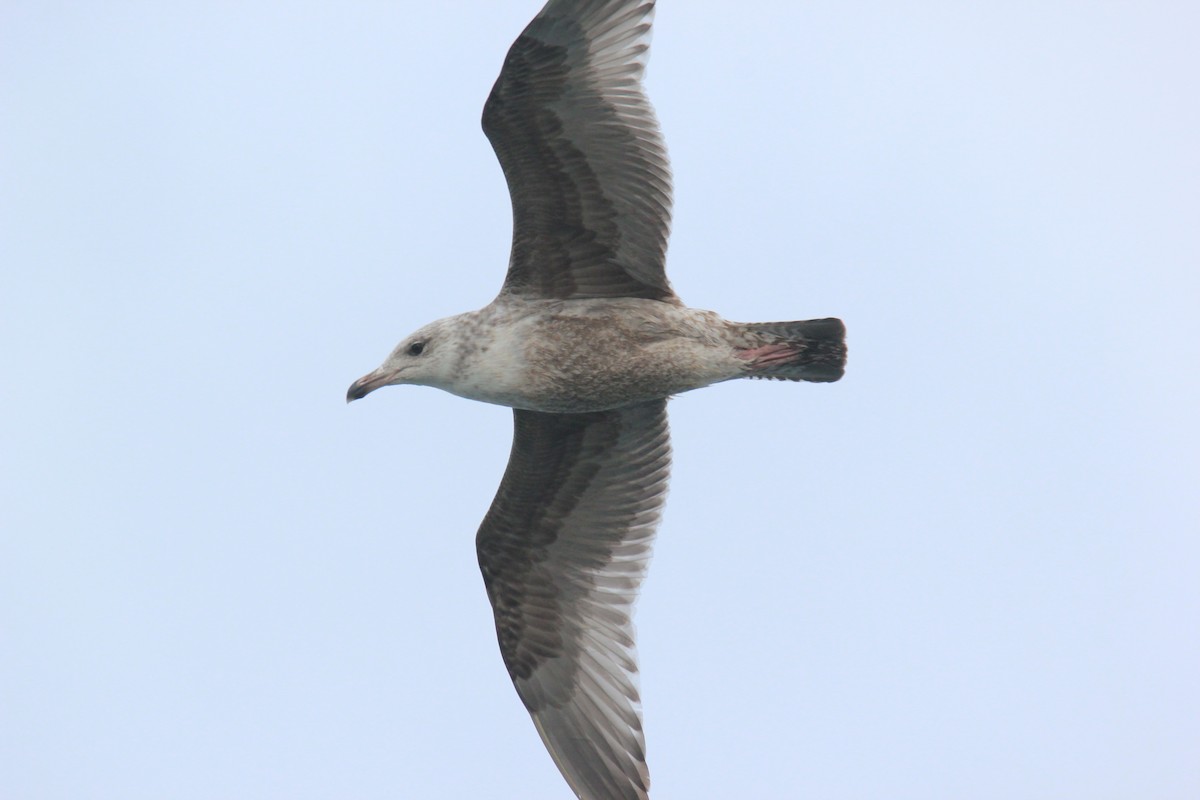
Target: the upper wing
(563, 551)
(580, 147)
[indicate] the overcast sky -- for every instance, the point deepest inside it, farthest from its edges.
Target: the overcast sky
(967, 570)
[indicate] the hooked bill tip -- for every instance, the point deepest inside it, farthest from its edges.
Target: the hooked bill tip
(369, 383)
(357, 391)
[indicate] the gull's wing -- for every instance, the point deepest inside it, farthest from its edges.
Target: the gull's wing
(563, 551)
(580, 147)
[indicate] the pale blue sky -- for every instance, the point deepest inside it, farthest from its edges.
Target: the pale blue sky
(969, 570)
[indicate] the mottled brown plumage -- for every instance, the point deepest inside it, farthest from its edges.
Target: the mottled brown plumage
(580, 147)
(563, 550)
(586, 341)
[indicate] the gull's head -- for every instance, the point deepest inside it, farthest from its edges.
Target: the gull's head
(427, 358)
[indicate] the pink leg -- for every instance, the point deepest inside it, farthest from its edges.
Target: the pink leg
(768, 355)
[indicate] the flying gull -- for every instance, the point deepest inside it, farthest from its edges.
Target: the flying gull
(586, 342)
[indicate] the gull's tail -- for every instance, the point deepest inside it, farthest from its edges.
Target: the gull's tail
(809, 350)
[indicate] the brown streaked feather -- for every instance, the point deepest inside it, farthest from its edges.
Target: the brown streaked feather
(581, 150)
(563, 551)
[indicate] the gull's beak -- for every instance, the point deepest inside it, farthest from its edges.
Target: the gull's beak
(369, 383)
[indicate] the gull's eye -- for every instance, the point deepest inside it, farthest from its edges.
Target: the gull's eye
(416, 348)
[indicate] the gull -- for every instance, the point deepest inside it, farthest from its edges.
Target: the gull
(586, 341)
